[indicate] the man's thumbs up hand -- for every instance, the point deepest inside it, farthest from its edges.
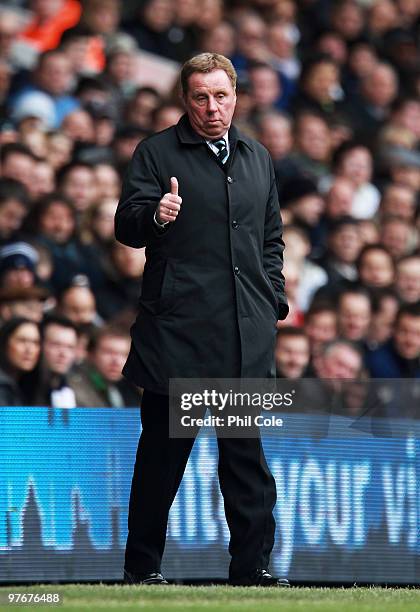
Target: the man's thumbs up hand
(170, 204)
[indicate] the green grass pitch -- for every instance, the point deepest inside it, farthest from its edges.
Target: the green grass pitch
(218, 598)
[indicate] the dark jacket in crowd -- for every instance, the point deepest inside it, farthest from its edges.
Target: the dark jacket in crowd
(10, 393)
(385, 362)
(213, 289)
(92, 390)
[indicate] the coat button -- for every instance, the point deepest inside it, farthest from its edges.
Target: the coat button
(235, 224)
(229, 179)
(236, 270)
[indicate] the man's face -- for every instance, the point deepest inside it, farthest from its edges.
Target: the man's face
(276, 136)
(266, 88)
(341, 363)
(354, 316)
(292, 355)
(57, 223)
(79, 185)
(407, 336)
(313, 138)
(339, 199)
(20, 167)
(59, 348)
(54, 75)
(399, 201)
(320, 328)
(12, 214)
(210, 103)
(408, 280)
(79, 305)
(110, 356)
(346, 243)
(376, 269)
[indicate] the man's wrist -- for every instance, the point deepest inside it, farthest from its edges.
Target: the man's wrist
(159, 223)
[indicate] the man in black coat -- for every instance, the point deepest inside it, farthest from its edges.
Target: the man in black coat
(202, 198)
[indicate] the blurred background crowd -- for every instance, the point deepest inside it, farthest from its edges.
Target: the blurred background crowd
(331, 88)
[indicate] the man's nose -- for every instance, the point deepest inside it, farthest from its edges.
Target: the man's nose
(211, 106)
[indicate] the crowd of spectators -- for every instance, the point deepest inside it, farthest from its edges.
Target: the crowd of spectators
(330, 88)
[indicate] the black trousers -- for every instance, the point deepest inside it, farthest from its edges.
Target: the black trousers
(247, 486)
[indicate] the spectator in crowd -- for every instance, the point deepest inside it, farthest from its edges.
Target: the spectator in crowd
(17, 265)
(344, 244)
(275, 133)
(76, 43)
(330, 43)
(339, 198)
(55, 222)
(375, 266)
(385, 306)
(141, 106)
(44, 179)
(267, 88)
(355, 163)
(371, 107)
(397, 236)
(78, 126)
(306, 205)
(312, 145)
(339, 360)
(78, 303)
(151, 27)
(165, 115)
(407, 279)
(97, 229)
(251, 36)
(59, 149)
(121, 290)
(291, 352)
(347, 18)
(320, 325)
(11, 52)
(311, 276)
(77, 182)
(354, 314)
(26, 302)
(52, 76)
(369, 231)
(17, 162)
(99, 381)
(13, 209)
(59, 344)
(108, 181)
(398, 201)
(49, 21)
(220, 39)
(399, 357)
(405, 114)
(281, 42)
(320, 89)
(20, 345)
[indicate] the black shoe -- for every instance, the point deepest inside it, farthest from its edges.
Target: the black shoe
(151, 578)
(260, 578)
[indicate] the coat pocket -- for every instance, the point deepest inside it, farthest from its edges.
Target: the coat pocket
(273, 294)
(158, 289)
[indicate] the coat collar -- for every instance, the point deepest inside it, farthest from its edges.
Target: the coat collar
(187, 135)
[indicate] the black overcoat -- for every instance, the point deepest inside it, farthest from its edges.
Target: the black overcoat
(213, 287)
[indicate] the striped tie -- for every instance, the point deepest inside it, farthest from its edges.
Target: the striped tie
(221, 147)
